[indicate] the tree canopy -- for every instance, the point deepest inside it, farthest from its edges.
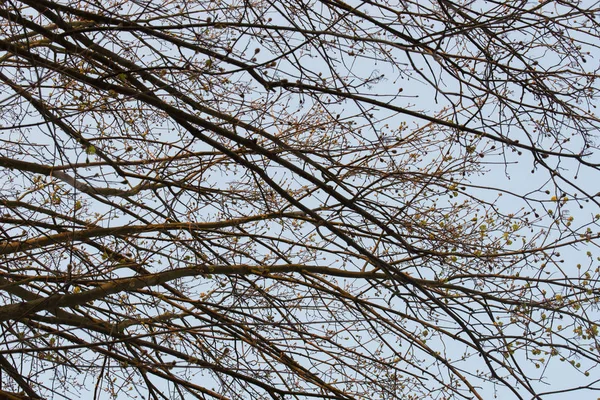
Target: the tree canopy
(298, 199)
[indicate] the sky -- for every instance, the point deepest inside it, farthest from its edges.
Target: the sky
(504, 180)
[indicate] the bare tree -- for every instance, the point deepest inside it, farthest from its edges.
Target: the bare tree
(298, 199)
